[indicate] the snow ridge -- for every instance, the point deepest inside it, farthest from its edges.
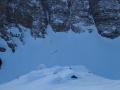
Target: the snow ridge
(61, 78)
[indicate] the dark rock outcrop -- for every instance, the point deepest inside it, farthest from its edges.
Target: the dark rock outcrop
(65, 15)
(2, 49)
(0, 63)
(106, 14)
(74, 77)
(59, 15)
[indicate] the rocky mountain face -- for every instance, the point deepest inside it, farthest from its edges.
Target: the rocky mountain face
(106, 15)
(62, 15)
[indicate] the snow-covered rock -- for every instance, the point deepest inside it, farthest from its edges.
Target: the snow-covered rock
(62, 15)
(106, 14)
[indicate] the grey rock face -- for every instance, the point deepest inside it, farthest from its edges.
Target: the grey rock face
(68, 15)
(62, 15)
(59, 15)
(107, 17)
(80, 15)
(39, 22)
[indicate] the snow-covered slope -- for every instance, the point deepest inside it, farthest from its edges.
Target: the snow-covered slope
(61, 78)
(99, 54)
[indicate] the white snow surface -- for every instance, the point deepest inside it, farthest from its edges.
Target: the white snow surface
(59, 78)
(100, 55)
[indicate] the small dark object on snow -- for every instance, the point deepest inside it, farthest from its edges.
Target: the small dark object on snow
(0, 63)
(74, 77)
(2, 49)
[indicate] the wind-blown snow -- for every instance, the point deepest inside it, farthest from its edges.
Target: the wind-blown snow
(60, 78)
